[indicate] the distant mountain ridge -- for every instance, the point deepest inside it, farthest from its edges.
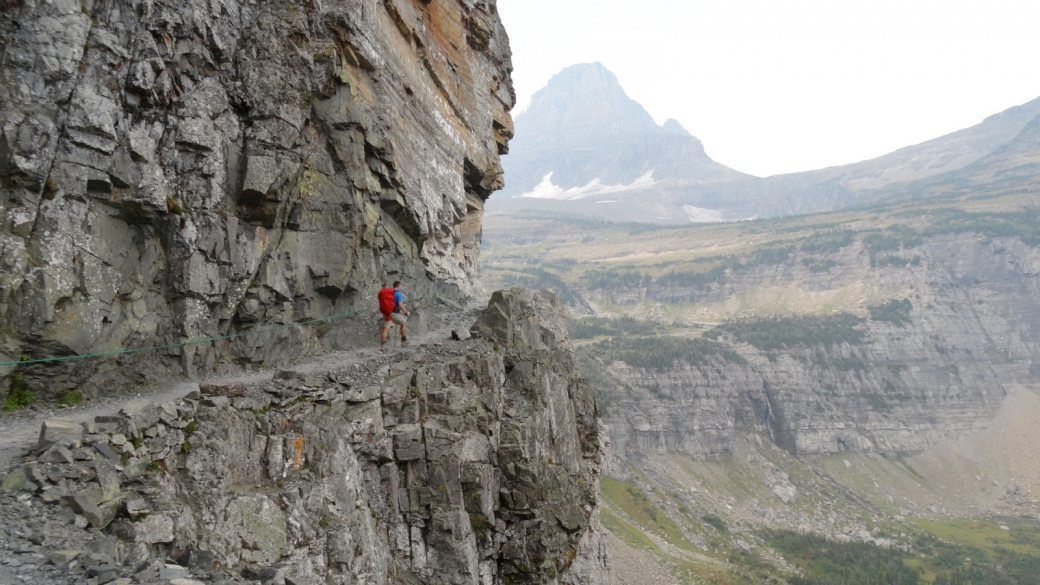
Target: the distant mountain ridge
(583, 147)
(583, 142)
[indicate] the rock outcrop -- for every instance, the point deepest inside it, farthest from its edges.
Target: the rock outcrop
(179, 169)
(473, 463)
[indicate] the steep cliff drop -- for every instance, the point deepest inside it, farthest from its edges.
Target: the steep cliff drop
(177, 169)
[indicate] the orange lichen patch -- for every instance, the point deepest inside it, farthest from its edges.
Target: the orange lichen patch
(297, 458)
(443, 25)
(449, 54)
(444, 28)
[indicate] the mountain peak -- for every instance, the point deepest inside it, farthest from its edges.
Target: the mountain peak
(587, 94)
(672, 127)
(583, 141)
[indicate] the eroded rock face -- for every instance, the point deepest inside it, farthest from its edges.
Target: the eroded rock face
(475, 463)
(182, 169)
(972, 333)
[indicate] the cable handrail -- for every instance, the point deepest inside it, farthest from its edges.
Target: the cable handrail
(207, 339)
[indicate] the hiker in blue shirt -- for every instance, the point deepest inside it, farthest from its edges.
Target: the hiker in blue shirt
(394, 314)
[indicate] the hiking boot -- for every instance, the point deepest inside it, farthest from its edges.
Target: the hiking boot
(405, 343)
(384, 347)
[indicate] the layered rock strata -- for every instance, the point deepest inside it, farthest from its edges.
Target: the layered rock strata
(180, 169)
(973, 330)
(470, 464)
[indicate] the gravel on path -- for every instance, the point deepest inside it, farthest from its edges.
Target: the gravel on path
(20, 430)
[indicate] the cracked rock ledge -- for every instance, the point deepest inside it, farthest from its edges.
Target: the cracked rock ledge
(468, 462)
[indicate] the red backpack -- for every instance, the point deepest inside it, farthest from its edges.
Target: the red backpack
(386, 302)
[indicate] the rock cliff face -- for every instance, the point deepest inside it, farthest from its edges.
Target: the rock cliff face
(973, 329)
(471, 464)
(180, 169)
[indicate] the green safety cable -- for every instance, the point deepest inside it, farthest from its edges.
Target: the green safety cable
(200, 341)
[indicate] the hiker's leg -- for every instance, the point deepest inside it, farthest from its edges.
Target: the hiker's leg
(400, 319)
(386, 331)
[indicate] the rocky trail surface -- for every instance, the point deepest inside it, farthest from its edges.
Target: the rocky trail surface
(448, 462)
(22, 561)
(21, 429)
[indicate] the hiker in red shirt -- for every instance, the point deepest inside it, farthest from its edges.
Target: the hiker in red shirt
(391, 305)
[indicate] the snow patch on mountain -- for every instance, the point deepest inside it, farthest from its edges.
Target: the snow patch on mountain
(546, 189)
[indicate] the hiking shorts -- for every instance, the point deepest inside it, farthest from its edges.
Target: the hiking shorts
(395, 319)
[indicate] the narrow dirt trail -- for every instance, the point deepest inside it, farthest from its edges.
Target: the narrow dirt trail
(17, 434)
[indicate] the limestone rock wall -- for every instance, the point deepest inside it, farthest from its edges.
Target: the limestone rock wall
(181, 169)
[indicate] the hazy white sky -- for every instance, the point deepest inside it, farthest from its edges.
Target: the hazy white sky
(776, 86)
